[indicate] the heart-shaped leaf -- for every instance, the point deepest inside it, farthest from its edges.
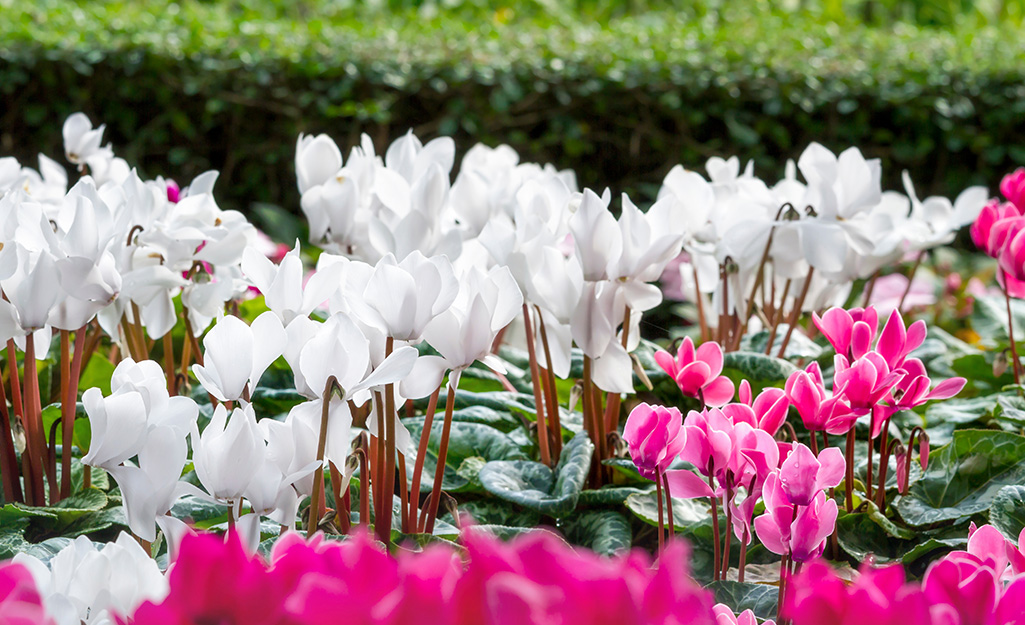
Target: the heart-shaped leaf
(603, 531)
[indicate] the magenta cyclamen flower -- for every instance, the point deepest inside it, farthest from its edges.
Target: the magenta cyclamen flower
(724, 616)
(768, 411)
(914, 389)
(817, 596)
(20, 603)
(655, 436)
(798, 531)
(850, 332)
(697, 372)
(1013, 188)
(989, 231)
(864, 382)
(818, 410)
(802, 476)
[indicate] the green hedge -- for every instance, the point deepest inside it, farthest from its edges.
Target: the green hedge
(190, 86)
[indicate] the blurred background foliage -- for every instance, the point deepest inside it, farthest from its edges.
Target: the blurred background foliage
(619, 90)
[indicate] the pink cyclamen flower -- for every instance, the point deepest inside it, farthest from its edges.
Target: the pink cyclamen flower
(897, 340)
(802, 476)
(913, 390)
(850, 332)
(881, 596)
(724, 616)
(1012, 255)
(697, 372)
(864, 382)
(990, 228)
(768, 411)
(20, 602)
(709, 441)
(1013, 188)
(818, 410)
(655, 436)
(173, 192)
(802, 537)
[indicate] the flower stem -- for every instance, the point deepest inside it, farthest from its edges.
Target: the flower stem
(743, 558)
(539, 407)
(421, 453)
(403, 493)
(700, 300)
(911, 277)
(169, 363)
(795, 314)
(378, 470)
(661, 522)
(439, 471)
(729, 531)
(669, 506)
(777, 316)
(68, 406)
(318, 476)
(8, 455)
(612, 409)
(715, 523)
(364, 487)
(33, 477)
(1010, 335)
(391, 414)
(33, 415)
(849, 476)
(554, 419)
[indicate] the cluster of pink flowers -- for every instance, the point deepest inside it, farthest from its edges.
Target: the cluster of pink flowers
(983, 585)
(533, 579)
(998, 232)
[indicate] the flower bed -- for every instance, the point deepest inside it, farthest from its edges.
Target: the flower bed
(270, 435)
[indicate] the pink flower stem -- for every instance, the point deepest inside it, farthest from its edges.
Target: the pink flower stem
(418, 468)
(669, 506)
(439, 471)
(715, 522)
(661, 522)
(535, 378)
(1010, 335)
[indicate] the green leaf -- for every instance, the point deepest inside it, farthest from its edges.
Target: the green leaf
(95, 522)
(758, 368)
(610, 495)
(761, 599)
(466, 440)
(493, 511)
(535, 486)
(100, 478)
(194, 510)
(964, 477)
(12, 542)
(603, 531)
(800, 346)
(687, 513)
(1007, 513)
(97, 374)
(275, 401)
(624, 471)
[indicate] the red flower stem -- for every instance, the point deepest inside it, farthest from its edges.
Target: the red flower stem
(421, 453)
(68, 407)
(661, 523)
(868, 469)
(33, 415)
(700, 300)
(729, 532)
(782, 588)
(336, 489)
(554, 419)
(391, 414)
(9, 471)
(439, 471)
(403, 493)
(33, 479)
(669, 506)
(815, 443)
(169, 363)
(539, 405)
(65, 347)
(364, 487)
(743, 558)
(1010, 334)
(382, 531)
(777, 316)
(612, 409)
(884, 462)
(316, 499)
(795, 314)
(911, 277)
(593, 427)
(849, 476)
(716, 558)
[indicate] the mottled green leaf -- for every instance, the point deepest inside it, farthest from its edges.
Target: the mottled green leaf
(964, 477)
(1007, 513)
(603, 531)
(466, 440)
(758, 368)
(761, 599)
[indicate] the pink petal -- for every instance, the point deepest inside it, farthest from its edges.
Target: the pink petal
(692, 377)
(891, 341)
(684, 484)
(666, 362)
(832, 468)
(744, 393)
(947, 388)
(719, 392)
(768, 532)
(685, 353)
(711, 354)
(861, 339)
